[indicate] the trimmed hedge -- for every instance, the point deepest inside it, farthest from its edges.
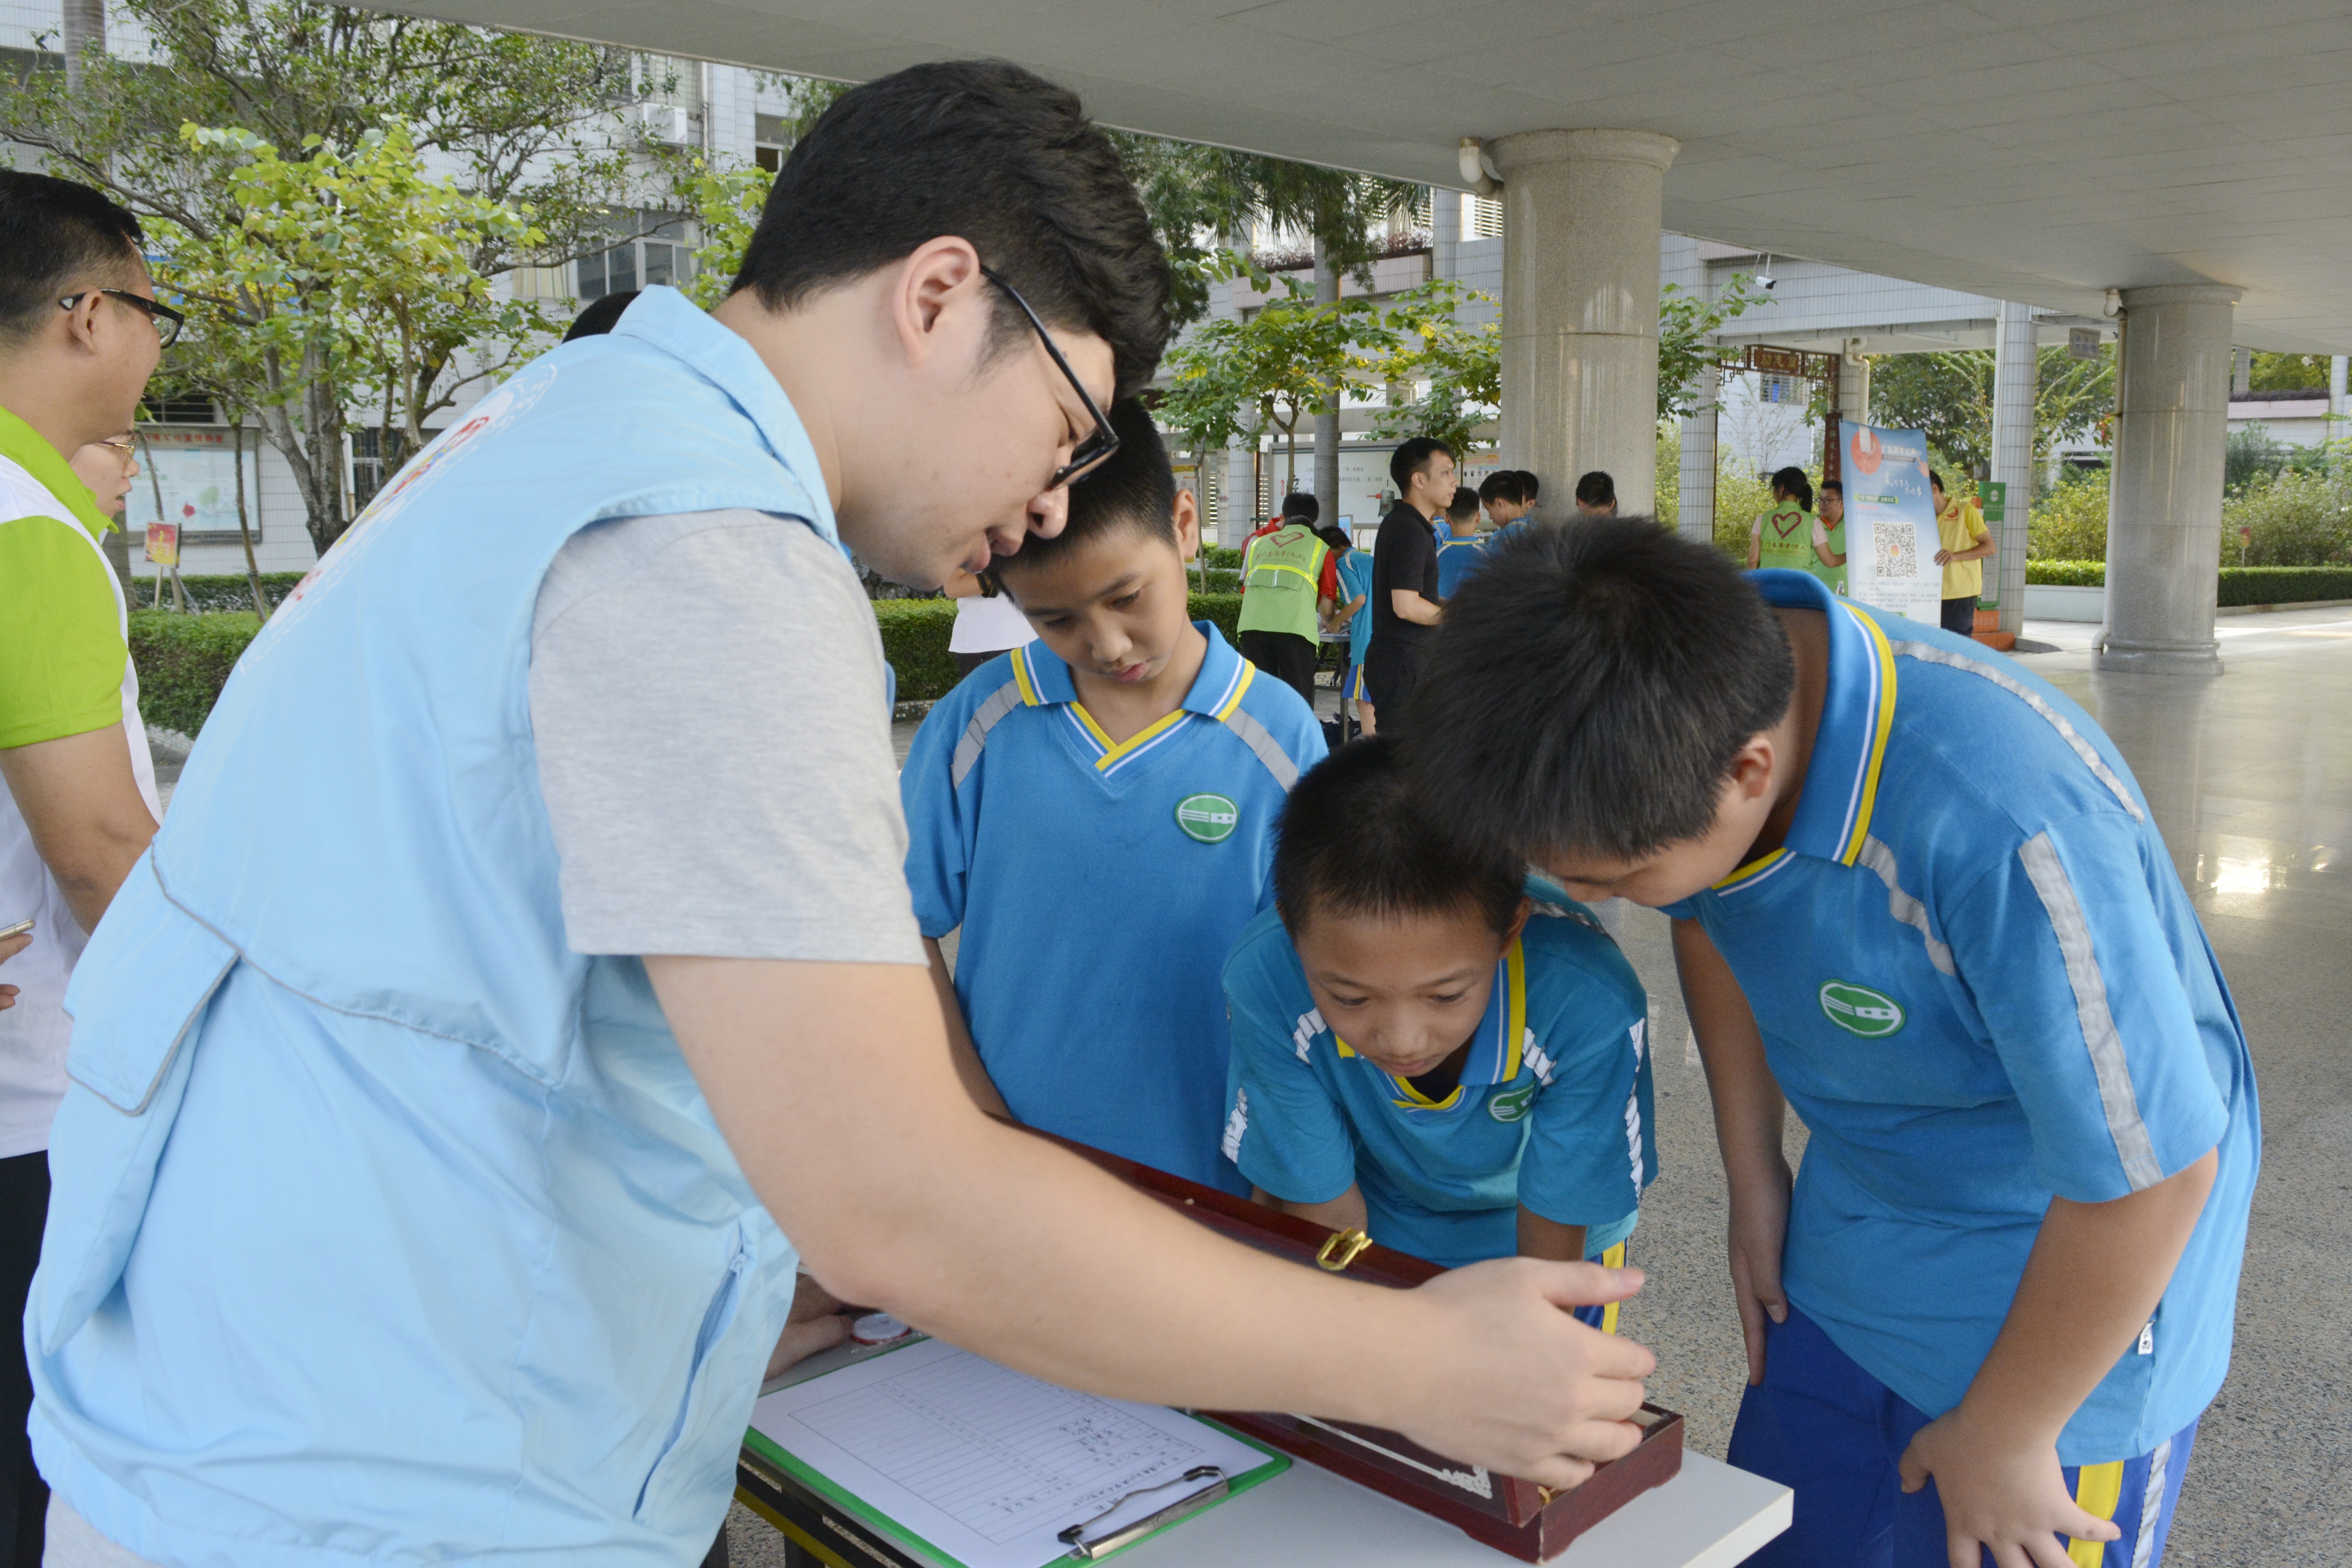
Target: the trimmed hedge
(914, 634)
(2284, 585)
(2240, 584)
(2066, 574)
(213, 595)
(184, 661)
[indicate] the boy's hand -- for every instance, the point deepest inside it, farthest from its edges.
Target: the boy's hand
(1516, 1384)
(1759, 1228)
(815, 1324)
(2003, 1495)
(10, 946)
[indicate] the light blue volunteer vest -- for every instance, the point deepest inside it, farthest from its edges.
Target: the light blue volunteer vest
(384, 1226)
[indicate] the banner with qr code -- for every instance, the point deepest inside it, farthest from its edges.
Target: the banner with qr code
(1890, 523)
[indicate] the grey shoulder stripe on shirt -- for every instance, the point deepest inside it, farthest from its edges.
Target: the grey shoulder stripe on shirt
(2116, 1096)
(1902, 906)
(1000, 701)
(1258, 739)
(1928, 654)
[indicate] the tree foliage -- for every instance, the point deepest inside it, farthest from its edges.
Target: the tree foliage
(1947, 396)
(1461, 364)
(1685, 324)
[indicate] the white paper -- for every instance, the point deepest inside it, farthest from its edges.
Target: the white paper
(986, 1464)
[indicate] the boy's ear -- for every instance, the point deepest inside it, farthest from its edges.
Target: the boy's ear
(1519, 921)
(1187, 514)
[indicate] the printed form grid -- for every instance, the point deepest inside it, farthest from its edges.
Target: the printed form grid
(994, 1449)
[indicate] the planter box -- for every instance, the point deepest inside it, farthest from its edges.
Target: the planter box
(2048, 603)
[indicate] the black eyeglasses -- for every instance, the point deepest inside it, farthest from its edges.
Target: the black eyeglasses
(1094, 449)
(167, 320)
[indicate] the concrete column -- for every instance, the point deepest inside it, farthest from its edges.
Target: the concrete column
(1580, 223)
(1325, 472)
(1445, 232)
(1695, 518)
(2335, 390)
(2015, 373)
(1854, 384)
(2164, 527)
(1239, 499)
(2242, 369)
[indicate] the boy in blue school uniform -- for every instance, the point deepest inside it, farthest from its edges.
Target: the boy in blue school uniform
(1095, 812)
(1988, 1318)
(1459, 548)
(1353, 609)
(1425, 1052)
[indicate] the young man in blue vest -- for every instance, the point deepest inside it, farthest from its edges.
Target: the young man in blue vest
(1989, 1314)
(430, 1188)
(1290, 580)
(1425, 1051)
(1118, 780)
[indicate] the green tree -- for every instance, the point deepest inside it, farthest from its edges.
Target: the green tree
(1685, 323)
(1464, 366)
(343, 275)
(528, 124)
(2289, 373)
(1947, 396)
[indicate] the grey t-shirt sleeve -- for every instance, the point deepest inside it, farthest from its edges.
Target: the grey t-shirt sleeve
(707, 702)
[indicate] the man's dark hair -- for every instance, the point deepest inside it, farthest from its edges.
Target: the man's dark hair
(1829, 485)
(1135, 489)
(1937, 480)
(1332, 534)
(994, 154)
(1503, 485)
(1590, 693)
(1464, 506)
(1597, 488)
(1791, 482)
(1530, 487)
(1354, 839)
(1413, 457)
(56, 238)
(601, 316)
(1300, 507)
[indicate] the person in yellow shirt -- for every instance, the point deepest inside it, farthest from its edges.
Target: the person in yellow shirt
(1965, 542)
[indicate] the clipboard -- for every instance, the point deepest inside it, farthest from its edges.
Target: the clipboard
(948, 1461)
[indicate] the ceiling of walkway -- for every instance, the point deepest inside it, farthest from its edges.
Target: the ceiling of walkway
(2036, 150)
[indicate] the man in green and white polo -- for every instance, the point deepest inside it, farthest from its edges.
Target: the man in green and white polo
(78, 338)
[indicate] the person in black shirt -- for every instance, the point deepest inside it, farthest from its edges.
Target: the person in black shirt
(1405, 606)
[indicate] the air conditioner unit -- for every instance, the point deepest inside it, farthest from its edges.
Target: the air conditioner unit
(667, 123)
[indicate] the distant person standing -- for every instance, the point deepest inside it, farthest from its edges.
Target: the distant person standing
(987, 621)
(1961, 529)
(1789, 537)
(1405, 597)
(1596, 495)
(1461, 548)
(1289, 583)
(1353, 610)
(1829, 537)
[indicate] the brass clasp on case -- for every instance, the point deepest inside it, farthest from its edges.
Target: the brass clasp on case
(1341, 1249)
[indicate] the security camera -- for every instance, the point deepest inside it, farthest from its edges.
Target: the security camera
(1765, 282)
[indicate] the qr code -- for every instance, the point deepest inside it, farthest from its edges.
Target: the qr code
(1897, 549)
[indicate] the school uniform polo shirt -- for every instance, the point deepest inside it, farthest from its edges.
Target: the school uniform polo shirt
(1456, 558)
(1553, 1109)
(1982, 985)
(1098, 885)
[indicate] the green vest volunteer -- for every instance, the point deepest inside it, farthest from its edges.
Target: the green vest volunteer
(1281, 576)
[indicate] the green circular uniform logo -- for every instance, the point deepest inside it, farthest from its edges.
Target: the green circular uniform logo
(1512, 1103)
(1207, 818)
(1859, 1010)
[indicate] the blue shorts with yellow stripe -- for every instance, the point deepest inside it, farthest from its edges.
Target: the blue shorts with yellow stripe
(1821, 1424)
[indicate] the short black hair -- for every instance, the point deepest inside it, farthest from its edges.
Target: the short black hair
(993, 153)
(1503, 485)
(1588, 694)
(1412, 458)
(57, 237)
(1937, 480)
(1134, 489)
(1597, 488)
(1799, 488)
(1354, 839)
(1530, 487)
(1302, 506)
(1829, 485)
(601, 315)
(1465, 504)
(1332, 534)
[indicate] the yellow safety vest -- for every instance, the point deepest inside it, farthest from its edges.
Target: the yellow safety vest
(1282, 576)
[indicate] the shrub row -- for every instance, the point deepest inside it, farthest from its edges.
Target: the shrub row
(210, 595)
(183, 660)
(2240, 584)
